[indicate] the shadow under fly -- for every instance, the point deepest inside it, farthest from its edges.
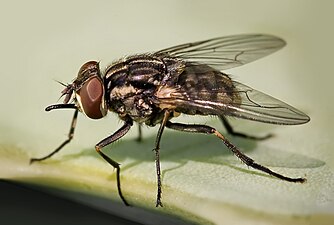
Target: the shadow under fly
(152, 88)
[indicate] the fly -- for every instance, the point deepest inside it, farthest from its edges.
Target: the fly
(152, 88)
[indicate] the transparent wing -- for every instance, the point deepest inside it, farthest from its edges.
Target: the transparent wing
(227, 52)
(258, 106)
(251, 104)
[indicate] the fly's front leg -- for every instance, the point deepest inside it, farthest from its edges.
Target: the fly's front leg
(244, 158)
(230, 130)
(157, 157)
(114, 137)
(70, 134)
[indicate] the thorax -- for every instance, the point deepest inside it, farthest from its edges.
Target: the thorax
(130, 85)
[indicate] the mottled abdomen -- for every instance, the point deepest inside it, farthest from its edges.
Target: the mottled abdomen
(197, 90)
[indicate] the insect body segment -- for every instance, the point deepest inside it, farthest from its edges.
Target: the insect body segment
(199, 84)
(153, 88)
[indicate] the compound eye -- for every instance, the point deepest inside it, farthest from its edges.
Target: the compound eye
(91, 97)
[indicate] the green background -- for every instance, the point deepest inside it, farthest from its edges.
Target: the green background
(42, 41)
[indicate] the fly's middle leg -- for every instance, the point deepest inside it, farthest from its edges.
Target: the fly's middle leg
(140, 133)
(157, 156)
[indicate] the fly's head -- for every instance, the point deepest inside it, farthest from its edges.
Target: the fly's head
(88, 90)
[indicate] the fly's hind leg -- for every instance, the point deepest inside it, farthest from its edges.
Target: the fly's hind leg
(230, 130)
(244, 158)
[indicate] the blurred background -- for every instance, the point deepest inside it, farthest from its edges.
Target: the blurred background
(44, 41)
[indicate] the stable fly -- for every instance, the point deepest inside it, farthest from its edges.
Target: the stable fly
(153, 88)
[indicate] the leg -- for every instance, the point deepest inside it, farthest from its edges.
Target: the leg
(139, 138)
(230, 130)
(157, 156)
(245, 159)
(114, 137)
(70, 137)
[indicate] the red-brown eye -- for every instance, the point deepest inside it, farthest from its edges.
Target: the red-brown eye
(91, 94)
